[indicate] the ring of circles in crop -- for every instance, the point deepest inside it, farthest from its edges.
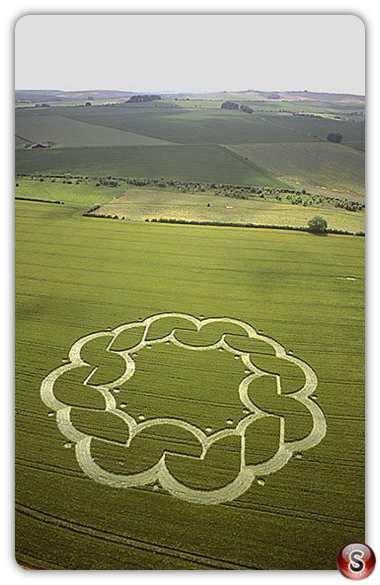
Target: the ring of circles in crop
(126, 341)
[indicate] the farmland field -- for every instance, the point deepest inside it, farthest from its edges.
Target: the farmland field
(66, 132)
(197, 140)
(155, 203)
(188, 396)
(184, 163)
(332, 166)
(139, 204)
(76, 276)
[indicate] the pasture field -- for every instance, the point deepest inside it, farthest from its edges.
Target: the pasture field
(78, 275)
(154, 203)
(332, 166)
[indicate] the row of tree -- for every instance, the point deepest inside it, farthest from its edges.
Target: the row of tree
(317, 225)
(288, 195)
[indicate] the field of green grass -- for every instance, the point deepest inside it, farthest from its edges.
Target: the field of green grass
(78, 275)
(333, 166)
(318, 128)
(82, 196)
(184, 163)
(66, 132)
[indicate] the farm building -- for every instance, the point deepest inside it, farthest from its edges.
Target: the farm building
(40, 145)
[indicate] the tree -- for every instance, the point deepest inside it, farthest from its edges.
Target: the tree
(335, 137)
(229, 106)
(137, 99)
(317, 225)
(88, 104)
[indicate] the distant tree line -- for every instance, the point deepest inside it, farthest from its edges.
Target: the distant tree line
(286, 195)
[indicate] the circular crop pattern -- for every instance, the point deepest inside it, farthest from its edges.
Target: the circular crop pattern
(263, 359)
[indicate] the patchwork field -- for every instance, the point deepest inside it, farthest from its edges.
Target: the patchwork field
(187, 139)
(77, 276)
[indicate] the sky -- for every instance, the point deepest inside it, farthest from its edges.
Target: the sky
(191, 52)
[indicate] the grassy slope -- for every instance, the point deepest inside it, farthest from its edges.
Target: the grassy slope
(185, 163)
(190, 126)
(76, 275)
(314, 164)
(82, 196)
(65, 132)
(353, 132)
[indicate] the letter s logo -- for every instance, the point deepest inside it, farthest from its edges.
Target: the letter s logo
(356, 565)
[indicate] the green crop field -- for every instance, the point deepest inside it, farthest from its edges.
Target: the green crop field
(77, 276)
(190, 126)
(66, 132)
(318, 128)
(82, 196)
(189, 397)
(333, 166)
(184, 163)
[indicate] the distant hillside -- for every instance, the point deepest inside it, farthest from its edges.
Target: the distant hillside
(22, 95)
(55, 95)
(327, 97)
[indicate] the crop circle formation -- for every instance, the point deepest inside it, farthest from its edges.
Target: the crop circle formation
(159, 473)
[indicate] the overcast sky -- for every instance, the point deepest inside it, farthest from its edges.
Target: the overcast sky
(158, 53)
